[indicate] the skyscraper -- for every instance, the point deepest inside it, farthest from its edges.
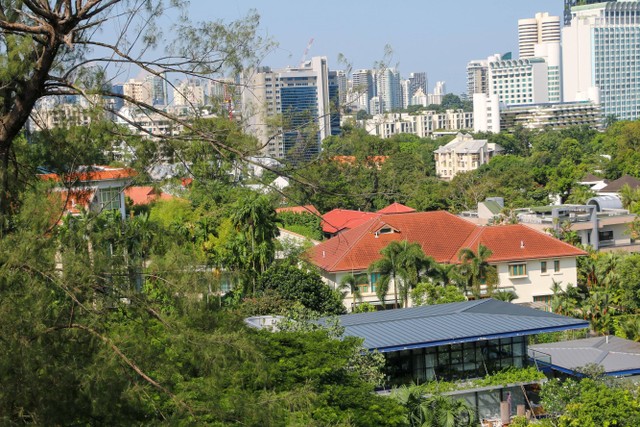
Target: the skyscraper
(417, 81)
(299, 99)
(540, 29)
(568, 4)
(477, 80)
(601, 59)
(362, 90)
(389, 89)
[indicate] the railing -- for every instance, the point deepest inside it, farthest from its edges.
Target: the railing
(539, 358)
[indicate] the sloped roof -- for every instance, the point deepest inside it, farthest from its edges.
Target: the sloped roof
(435, 325)
(92, 174)
(616, 185)
(441, 236)
(615, 355)
(591, 178)
(339, 219)
(142, 195)
(396, 208)
(76, 200)
(462, 143)
(517, 242)
(299, 209)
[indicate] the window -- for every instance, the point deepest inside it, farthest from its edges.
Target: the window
(109, 198)
(518, 270)
(543, 267)
(556, 266)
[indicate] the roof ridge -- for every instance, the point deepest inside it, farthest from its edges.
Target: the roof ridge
(360, 237)
(524, 227)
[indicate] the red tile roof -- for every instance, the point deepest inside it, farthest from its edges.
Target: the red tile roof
(144, 195)
(441, 236)
(300, 209)
(340, 219)
(92, 174)
(396, 208)
(76, 200)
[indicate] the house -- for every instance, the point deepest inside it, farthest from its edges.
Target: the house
(616, 356)
(143, 195)
(528, 262)
(457, 341)
(463, 154)
(92, 188)
(310, 209)
(614, 187)
(337, 221)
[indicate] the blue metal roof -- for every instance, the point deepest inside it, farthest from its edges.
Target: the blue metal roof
(435, 325)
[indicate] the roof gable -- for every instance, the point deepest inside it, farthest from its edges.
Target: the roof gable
(396, 208)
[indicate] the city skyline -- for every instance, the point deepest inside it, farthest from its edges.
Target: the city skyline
(440, 47)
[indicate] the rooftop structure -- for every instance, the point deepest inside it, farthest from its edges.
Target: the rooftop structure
(617, 356)
(540, 29)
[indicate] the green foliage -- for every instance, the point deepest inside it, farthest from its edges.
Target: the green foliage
(306, 224)
(305, 287)
(434, 410)
(429, 293)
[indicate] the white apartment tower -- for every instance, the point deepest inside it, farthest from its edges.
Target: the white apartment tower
(361, 91)
(601, 57)
(540, 29)
(300, 98)
(389, 89)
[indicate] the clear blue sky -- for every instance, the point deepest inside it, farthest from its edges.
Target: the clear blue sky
(438, 37)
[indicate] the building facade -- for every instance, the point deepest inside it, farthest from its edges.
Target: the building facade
(298, 97)
(600, 57)
(463, 154)
(540, 29)
(424, 124)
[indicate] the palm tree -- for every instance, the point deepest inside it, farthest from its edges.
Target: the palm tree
(435, 410)
(477, 271)
(506, 296)
(352, 284)
(382, 289)
(389, 266)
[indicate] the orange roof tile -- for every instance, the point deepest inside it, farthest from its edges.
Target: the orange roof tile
(95, 173)
(396, 208)
(143, 195)
(339, 219)
(299, 209)
(441, 236)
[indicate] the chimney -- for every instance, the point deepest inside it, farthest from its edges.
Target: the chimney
(521, 244)
(323, 254)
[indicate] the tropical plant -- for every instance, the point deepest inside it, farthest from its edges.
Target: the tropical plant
(507, 296)
(477, 271)
(434, 410)
(351, 283)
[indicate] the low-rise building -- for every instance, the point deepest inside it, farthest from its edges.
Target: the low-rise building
(463, 154)
(527, 261)
(423, 124)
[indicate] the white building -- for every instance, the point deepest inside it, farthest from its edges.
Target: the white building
(190, 92)
(424, 124)
(600, 53)
(540, 29)
(138, 90)
(486, 113)
(439, 91)
(519, 81)
(463, 154)
(389, 89)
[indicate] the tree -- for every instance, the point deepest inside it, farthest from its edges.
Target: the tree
(435, 410)
(389, 267)
(352, 284)
(57, 48)
(476, 269)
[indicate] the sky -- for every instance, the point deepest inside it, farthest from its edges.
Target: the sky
(437, 37)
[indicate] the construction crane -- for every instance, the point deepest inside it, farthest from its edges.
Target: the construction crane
(228, 101)
(306, 51)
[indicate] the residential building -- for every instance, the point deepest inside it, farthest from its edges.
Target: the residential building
(546, 116)
(418, 81)
(389, 89)
(486, 113)
(138, 92)
(92, 188)
(157, 86)
(336, 80)
(600, 57)
(144, 195)
(527, 261)
(613, 188)
(337, 221)
(361, 91)
(439, 91)
(463, 154)
(568, 4)
(424, 124)
(540, 29)
(190, 92)
(406, 93)
(300, 98)
(477, 77)
(50, 113)
(419, 98)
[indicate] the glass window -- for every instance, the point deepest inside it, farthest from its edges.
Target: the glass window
(556, 266)
(543, 267)
(109, 198)
(517, 270)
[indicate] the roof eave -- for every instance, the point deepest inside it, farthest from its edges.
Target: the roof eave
(580, 325)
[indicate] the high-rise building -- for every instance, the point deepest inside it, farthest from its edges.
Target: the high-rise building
(568, 4)
(540, 29)
(138, 92)
(439, 91)
(388, 89)
(417, 81)
(406, 93)
(299, 98)
(361, 91)
(600, 57)
(190, 92)
(336, 80)
(477, 77)
(519, 81)
(157, 86)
